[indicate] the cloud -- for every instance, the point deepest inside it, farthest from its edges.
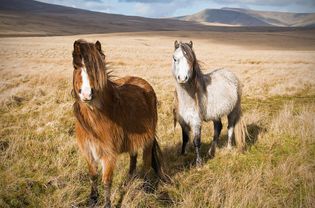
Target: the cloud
(268, 2)
(234, 2)
(95, 0)
(160, 9)
(169, 8)
(148, 1)
(93, 5)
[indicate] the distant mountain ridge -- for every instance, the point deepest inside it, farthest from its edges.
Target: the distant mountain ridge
(247, 17)
(33, 18)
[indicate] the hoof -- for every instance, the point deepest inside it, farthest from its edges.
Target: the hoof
(107, 205)
(165, 179)
(211, 152)
(129, 179)
(199, 162)
(147, 187)
(93, 199)
(183, 152)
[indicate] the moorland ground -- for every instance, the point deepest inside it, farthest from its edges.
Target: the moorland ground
(42, 167)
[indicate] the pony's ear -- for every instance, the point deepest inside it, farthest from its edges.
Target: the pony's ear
(76, 47)
(76, 55)
(98, 46)
(176, 44)
(190, 44)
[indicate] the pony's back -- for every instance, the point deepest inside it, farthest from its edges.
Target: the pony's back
(148, 91)
(225, 76)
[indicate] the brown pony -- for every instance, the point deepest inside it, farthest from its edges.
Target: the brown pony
(112, 117)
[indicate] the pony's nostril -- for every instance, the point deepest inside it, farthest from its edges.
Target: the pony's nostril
(80, 90)
(186, 77)
(178, 77)
(92, 91)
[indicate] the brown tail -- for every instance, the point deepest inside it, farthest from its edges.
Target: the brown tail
(240, 132)
(157, 161)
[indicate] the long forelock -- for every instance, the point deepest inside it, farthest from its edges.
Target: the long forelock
(191, 58)
(188, 53)
(96, 67)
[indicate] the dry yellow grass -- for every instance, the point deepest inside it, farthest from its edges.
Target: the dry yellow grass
(40, 163)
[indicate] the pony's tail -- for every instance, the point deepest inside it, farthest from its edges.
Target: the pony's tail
(158, 162)
(240, 132)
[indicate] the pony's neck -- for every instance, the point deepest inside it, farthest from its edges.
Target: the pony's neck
(196, 83)
(107, 97)
(189, 87)
(198, 78)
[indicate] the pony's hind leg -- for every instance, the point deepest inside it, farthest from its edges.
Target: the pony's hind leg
(147, 158)
(152, 157)
(185, 137)
(132, 168)
(217, 126)
(147, 163)
(231, 123)
(133, 164)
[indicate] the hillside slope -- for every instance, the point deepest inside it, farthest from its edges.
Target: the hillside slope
(245, 17)
(19, 17)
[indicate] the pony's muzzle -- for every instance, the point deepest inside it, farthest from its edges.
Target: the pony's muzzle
(182, 80)
(86, 95)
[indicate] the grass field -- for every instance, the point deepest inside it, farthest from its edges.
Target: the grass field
(42, 167)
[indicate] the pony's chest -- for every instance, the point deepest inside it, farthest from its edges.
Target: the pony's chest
(188, 110)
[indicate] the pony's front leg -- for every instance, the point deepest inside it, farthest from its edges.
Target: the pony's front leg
(197, 144)
(185, 137)
(108, 164)
(93, 177)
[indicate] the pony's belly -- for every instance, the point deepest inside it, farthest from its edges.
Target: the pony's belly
(217, 110)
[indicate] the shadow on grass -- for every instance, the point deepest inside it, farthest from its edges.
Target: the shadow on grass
(253, 132)
(176, 163)
(150, 186)
(251, 138)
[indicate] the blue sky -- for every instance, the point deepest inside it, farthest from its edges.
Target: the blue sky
(171, 8)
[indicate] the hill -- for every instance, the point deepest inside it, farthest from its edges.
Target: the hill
(29, 18)
(246, 17)
(32, 18)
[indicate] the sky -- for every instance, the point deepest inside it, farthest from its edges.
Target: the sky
(172, 8)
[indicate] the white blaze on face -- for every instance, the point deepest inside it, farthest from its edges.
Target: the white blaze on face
(86, 92)
(181, 68)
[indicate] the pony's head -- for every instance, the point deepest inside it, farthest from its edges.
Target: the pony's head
(184, 60)
(89, 75)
